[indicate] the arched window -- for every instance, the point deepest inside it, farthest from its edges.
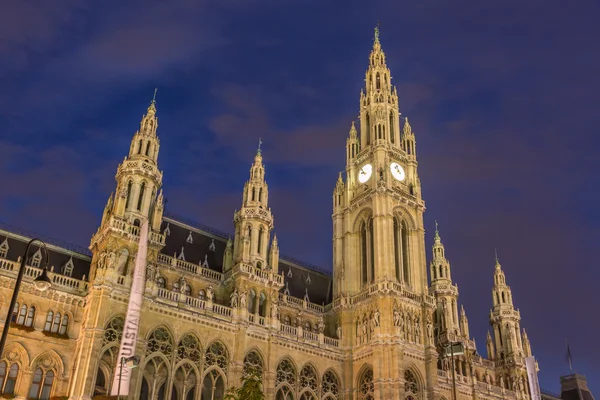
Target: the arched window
(285, 380)
(368, 128)
(378, 81)
(397, 250)
(22, 315)
(128, 201)
(64, 325)
(56, 323)
(41, 385)
(147, 148)
(392, 131)
(253, 363)
(411, 386)
(217, 360)
(287, 320)
(202, 294)
(404, 238)
(366, 387)
(262, 305)
(141, 196)
(503, 298)
(30, 317)
(260, 240)
(49, 320)
(330, 385)
(252, 302)
(363, 253)
(253, 194)
(8, 381)
(441, 271)
(140, 147)
(260, 195)
(309, 379)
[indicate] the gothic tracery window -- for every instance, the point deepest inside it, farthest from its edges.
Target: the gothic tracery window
(8, 377)
(253, 362)
(330, 385)
(189, 349)
(113, 330)
(411, 387)
(366, 387)
(309, 379)
(41, 385)
(217, 355)
(160, 341)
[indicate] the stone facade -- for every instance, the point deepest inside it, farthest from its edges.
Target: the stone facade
(215, 306)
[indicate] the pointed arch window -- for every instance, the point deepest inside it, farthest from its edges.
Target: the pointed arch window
(366, 386)
(141, 196)
(22, 315)
(41, 385)
(405, 259)
(128, 200)
(378, 81)
(148, 148)
(363, 253)
(140, 147)
(392, 131)
(260, 240)
(8, 377)
(368, 128)
(398, 250)
(30, 317)
(253, 194)
(260, 195)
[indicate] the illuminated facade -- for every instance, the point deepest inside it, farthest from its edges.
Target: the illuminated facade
(214, 306)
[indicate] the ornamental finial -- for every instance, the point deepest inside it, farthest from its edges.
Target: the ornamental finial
(377, 33)
(154, 97)
(259, 144)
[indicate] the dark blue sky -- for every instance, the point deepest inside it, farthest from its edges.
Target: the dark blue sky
(502, 96)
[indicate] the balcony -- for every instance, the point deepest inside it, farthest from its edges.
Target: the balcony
(264, 276)
(59, 282)
(132, 232)
(189, 267)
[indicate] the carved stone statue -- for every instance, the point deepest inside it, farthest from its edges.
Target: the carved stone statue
(396, 317)
(243, 299)
(417, 329)
(321, 325)
(111, 259)
(274, 310)
(210, 293)
(376, 317)
(429, 328)
(299, 318)
(338, 331)
(365, 327)
(233, 299)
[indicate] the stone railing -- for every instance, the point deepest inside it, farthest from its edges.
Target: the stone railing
(126, 228)
(59, 282)
(190, 267)
(384, 287)
(199, 305)
(484, 387)
(263, 275)
(294, 302)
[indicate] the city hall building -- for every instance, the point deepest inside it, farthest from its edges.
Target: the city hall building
(216, 306)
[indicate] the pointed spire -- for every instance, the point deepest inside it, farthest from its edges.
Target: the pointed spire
(437, 232)
(489, 337)
(407, 130)
(376, 38)
(497, 265)
(259, 144)
(462, 311)
(353, 131)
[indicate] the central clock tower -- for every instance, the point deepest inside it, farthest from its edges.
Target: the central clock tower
(378, 209)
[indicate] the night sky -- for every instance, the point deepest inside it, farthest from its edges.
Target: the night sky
(502, 97)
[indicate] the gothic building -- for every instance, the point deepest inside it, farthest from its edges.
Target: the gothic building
(214, 306)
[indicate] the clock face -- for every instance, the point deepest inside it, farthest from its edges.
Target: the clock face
(365, 173)
(397, 171)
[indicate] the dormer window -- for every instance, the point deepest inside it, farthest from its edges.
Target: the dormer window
(36, 259)
(190, 239)
(167, 230)
(181, 255)
(4, 249)
(68, 267)
(211, 246)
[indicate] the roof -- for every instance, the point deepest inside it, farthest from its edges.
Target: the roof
(189, 240)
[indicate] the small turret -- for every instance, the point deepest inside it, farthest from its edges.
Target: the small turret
(228, 256)
(409, 142)
(464, 323)
(352, 145)
(489, 344)
(274, 255)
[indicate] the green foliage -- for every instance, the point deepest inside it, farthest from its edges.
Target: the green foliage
(251, 388)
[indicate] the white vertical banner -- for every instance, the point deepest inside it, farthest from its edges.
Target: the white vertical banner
(534, 384)
(132, 321)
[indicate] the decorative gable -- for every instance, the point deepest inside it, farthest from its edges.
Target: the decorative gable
(211, 247)
(67, 269)
(167, 230)
(36, 258)
(190, 239)
(205, 262)
(4, 248)
(181, 255)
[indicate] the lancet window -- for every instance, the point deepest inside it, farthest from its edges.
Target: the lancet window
(367, 255)
(411, 386)
(8, 377)
(41, 385)
(366, 387)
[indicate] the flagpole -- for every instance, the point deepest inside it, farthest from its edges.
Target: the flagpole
(569, 356)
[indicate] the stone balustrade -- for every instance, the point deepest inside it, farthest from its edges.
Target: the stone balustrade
(190, 267)
(59, 282)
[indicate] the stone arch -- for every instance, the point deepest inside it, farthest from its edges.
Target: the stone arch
(362, 217)
(254, 358)
(189, 349)
(15, 352)
(413, 383)
(48, 360)
(309, 378)
(403, 214)
(331, 384)
(219, 357)
(365, 388)
(163, 325)
(286, 378)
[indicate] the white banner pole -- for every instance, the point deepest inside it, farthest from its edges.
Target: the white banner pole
(122, 376)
